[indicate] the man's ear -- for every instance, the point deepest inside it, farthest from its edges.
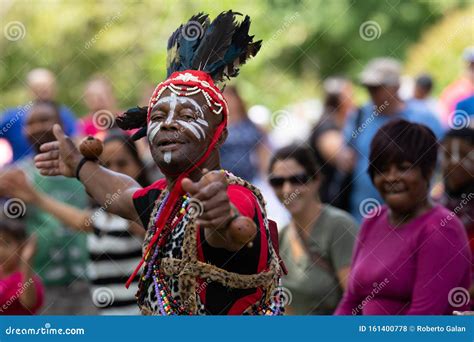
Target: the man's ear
(222, 138)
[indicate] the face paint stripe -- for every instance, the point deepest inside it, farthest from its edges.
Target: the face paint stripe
(203, 122)
(190, 127)
(172, 102)
(154, 129)
(195, 124)
(167, 157)
(151, 126)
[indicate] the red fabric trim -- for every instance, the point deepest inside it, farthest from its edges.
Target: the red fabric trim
(160, 184)
(243, 199)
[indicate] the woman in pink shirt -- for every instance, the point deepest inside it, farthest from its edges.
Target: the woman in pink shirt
(21, 291)
(410, 259)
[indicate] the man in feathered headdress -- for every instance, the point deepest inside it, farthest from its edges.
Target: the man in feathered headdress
(209, 248)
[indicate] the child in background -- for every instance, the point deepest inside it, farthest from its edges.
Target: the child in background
(21, 291)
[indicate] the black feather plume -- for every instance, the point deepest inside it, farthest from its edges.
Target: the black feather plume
(219, 49)
(132, 118)
(192, 33)
(217, 39)
(184, 41)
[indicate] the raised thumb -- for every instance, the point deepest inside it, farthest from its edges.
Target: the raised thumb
(59, 133)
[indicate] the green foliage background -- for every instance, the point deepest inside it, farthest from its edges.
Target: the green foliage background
(304, 41)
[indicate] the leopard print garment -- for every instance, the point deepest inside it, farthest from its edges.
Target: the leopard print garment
(173, 251)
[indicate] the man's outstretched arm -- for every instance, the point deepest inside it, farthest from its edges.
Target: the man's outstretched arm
(110, 189)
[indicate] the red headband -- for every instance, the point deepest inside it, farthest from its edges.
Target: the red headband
(188, 83)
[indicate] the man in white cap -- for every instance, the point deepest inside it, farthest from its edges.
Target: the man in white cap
(381, 78)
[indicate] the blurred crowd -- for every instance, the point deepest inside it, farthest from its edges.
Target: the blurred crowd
(375, 204)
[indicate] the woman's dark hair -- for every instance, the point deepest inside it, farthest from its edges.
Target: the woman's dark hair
(301, 154)
(13, 227)
(127, 141)
(400, 141)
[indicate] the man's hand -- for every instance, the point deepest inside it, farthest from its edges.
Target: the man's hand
(59, 157)
(223, 229)
(211, 191)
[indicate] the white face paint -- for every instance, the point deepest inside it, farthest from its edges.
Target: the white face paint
(195, 127)
(153, 129)
(167, 157)
(172, 101)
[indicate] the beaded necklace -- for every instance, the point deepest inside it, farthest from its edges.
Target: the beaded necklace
(166, 303)
(175, 218)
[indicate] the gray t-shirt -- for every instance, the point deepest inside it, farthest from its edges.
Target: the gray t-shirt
(314, 289)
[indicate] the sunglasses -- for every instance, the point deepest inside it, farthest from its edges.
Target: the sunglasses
(299, 179)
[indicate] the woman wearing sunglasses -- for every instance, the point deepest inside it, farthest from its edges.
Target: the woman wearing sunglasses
(317, 244)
